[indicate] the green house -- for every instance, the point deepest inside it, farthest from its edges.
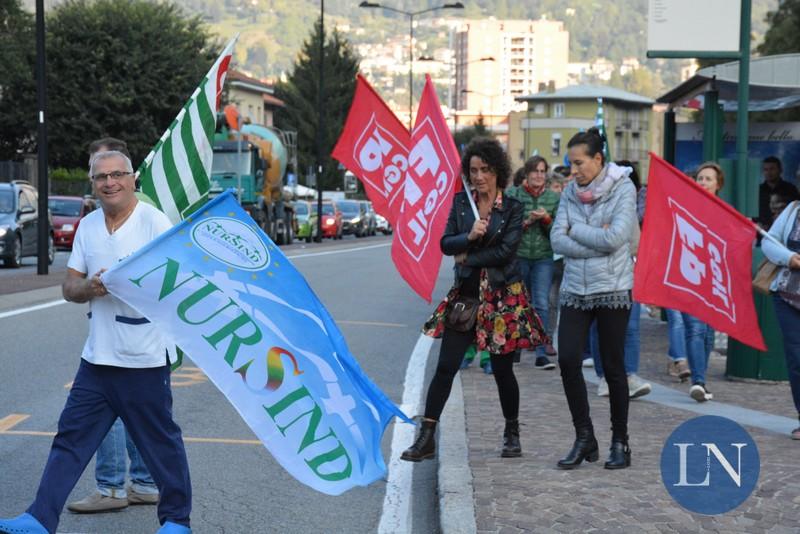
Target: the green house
(553, 117)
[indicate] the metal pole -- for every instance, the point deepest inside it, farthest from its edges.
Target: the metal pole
(669, 136)
(711, 119)
(410, 69)
(239, 165)
(742, 129)
(320, 117)
(43, 184)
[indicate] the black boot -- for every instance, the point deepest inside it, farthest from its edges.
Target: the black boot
(619, 455)
(511, 446)
(584, 448)
(425, 445)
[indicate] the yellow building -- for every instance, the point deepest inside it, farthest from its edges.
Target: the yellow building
(553, 117)
(254, 98)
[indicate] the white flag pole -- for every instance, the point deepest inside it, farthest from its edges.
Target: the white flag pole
(469, 197)
(769, 236)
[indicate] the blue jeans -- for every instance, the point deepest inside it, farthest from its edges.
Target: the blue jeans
(110, 465)
(631, 343)
(696, 346)
(538, 276)
(709, 339)
(677, 335)
(789, 322)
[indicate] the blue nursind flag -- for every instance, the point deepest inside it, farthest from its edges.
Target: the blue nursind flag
(224, 292)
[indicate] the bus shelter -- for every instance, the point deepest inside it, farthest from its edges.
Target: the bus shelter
(774, 85)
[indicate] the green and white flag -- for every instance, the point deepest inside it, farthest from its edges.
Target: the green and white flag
(176, 173)
(600, 123)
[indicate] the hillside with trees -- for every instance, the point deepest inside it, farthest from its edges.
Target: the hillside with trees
(272, 31)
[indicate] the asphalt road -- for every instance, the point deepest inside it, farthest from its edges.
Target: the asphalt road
(238, 487)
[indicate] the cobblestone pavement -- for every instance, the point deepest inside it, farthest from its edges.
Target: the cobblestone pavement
(529, 494)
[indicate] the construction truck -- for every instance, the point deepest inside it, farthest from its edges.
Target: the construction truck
(253, 162)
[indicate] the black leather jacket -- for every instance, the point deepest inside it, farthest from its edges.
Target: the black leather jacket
(496, 250)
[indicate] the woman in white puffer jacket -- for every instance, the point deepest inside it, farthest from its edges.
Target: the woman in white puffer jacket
(593, 230)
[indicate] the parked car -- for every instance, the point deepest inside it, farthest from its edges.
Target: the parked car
(67, 213)
(372, 223)
(19, 223)
(382, 224)
(302, 219)
(332, 225)
(353, 217)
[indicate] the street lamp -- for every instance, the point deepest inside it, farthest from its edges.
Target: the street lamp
(411, 15)
(459, 66)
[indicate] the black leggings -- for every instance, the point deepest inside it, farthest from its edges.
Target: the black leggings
(572, 333)
(454, 346)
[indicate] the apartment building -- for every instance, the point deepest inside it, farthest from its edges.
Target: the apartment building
(498, 61)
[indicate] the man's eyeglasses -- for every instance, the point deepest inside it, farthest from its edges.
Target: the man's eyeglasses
(104, 176)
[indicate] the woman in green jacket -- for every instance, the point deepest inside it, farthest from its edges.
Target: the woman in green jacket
(535, 255)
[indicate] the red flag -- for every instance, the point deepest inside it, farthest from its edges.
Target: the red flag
(695, 255)
(433, 174)
(374, 147)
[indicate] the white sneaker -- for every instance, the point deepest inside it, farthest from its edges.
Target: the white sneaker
(700, 393)
(637, 387)
(602, 388)
(588, 362)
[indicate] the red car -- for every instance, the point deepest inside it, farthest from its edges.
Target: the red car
(331, 220)
(67, 213)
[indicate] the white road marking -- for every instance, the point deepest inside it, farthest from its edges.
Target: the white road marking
(396, 514)
(342, 251)
(20, 311)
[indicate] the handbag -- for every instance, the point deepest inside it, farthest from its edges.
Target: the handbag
(462, 313)
(767, 271)
(765, 274)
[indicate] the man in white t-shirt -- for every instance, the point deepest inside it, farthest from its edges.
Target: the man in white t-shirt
(124, 369)
(111, 461)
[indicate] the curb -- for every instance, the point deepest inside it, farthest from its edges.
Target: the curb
(456, 503)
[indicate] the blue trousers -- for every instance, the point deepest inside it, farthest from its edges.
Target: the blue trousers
(143, 400)
(696, 347)
(677, 335)
(789, 322)
(112, 459)
(538, 276)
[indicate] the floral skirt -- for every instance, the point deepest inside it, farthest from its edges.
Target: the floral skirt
(506, 321)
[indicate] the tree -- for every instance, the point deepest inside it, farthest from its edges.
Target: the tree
(122, 68)
(17, 80)
(464, 136)
(300, 93)
(782, 36)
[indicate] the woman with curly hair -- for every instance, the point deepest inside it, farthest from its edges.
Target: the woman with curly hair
(487, 281)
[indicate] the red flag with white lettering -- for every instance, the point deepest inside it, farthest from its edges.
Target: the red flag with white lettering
(695, 255)
(374, 146)
(434, 170)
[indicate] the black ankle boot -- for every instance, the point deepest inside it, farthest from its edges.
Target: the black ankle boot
(511, 446)
(619, 455)
(425, 445)
(584, 448)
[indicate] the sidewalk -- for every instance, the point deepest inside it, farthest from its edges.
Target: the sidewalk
(529, 494)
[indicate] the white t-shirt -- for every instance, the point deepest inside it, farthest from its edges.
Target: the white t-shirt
(118, 335)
